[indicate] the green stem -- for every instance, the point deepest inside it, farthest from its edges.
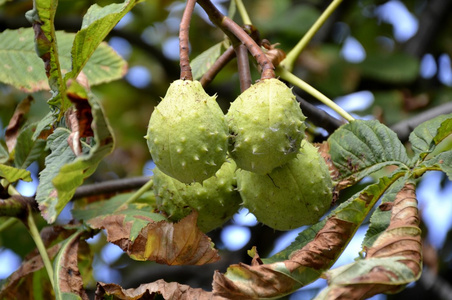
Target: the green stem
(140, 192)
(40, 245)
(286, 75)
(292, 56)
(243, 13)
(8, 223)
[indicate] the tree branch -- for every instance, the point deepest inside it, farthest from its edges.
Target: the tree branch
(405, 127)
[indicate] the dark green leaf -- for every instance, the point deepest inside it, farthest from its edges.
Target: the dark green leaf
(426, 136)
(393, 68)
(360, 148)
(27, 150)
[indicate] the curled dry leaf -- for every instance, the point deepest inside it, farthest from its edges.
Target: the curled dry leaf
(16, 122)
(277, 279)
(168, 243)
(69, 279)
(400, 241)
(169, 291)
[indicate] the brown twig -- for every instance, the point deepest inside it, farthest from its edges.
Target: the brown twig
(185, 69)
(219, 64)
(243, 65)
(233, 30)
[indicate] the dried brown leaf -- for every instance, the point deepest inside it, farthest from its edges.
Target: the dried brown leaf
(402, 238)
(70, 280)
(169, 291)
(16, 122)
(168, 243)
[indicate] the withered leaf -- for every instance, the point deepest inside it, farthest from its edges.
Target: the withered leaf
(394, 259)
(68, 279)
(169, 291)
(16, 122)
(168, 243)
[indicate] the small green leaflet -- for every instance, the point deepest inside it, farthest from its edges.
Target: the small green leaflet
(137, 214)
(17, 53)
(64, 171)
(205, 60)
(380, 219)
(427, 135)
(360, 148)
(12, 174)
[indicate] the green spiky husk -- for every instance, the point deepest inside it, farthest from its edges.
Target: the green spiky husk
(216, 199)
(266, 126)
(187, 133)
(293, 195)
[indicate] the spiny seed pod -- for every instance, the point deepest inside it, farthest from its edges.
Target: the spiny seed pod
(216, 199)
(266, 126)
(293, 195)
(187, 133)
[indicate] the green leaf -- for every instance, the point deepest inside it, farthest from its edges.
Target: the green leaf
(381, 217)
(138, 215)
(427, 135)
(64, 171)
(42, 18)
(97, 23)
(205, 60)
(4, 155)
(360, 148)
(441, 162)
(12, 174)
(27, 150)
(393, 68)
(17, 53)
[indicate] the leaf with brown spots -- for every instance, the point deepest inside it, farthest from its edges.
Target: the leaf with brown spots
(314, 251)
(169, 291)
(394, 260)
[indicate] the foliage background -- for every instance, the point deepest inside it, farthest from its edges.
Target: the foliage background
(403, 75)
